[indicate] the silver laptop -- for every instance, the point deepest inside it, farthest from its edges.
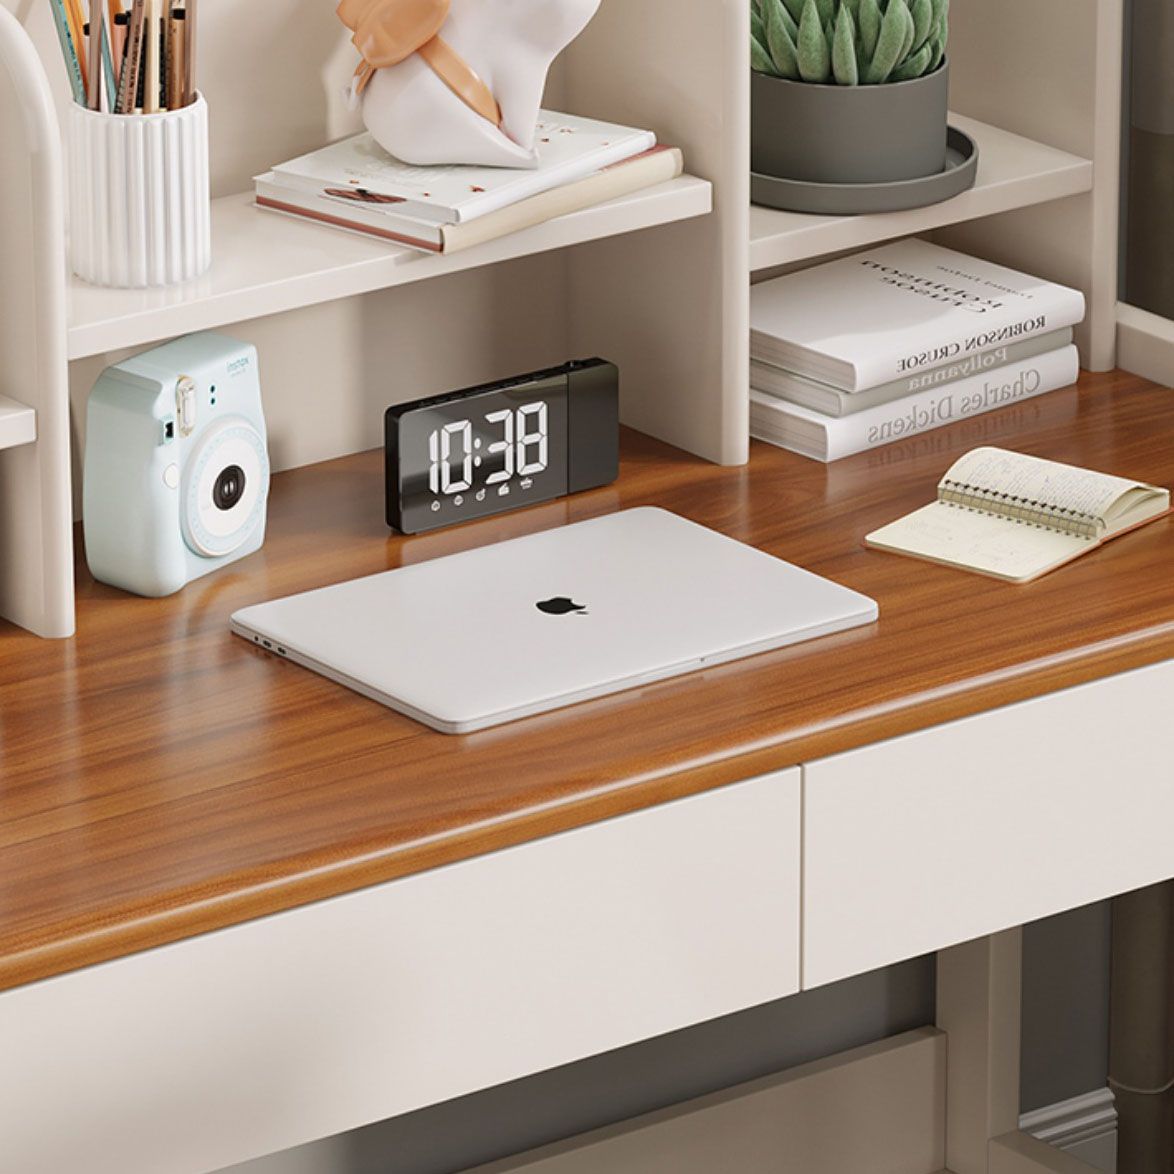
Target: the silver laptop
(528, 625)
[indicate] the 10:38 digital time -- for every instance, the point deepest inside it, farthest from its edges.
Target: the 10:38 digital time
(524, 447)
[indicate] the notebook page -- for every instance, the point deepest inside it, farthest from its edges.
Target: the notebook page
(1032, 480)
(993, 545)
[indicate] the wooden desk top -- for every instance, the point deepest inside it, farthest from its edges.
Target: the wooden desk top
(160, 777)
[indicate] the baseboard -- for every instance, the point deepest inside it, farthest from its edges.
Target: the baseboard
(1145, 344)
(1084, 1126)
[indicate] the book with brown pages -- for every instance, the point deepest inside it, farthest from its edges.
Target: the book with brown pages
(1016, 517)
(345, 209)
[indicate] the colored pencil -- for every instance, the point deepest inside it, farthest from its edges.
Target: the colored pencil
(176, 81)
(73, 11)
(118, 29)
(189, 51)
(151, 58)
(111, 52)
(110, 78)
(97, 26)
(68, 50)
(128, 85)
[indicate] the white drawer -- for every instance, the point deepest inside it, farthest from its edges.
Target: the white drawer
(241, 1042)
(969, 828)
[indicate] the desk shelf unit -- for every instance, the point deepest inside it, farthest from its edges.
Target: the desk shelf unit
(658, 281)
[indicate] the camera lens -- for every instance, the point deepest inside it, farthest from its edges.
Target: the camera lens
(229, 487)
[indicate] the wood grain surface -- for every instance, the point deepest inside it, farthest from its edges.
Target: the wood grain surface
(160, 777)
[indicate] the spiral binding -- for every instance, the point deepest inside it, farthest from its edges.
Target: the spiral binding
(1020, 509)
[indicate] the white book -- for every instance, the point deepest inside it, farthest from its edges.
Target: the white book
(826, 438)
(568, 148)
(1016, 517)
(831, 401)
(659, 165)
(875, 317)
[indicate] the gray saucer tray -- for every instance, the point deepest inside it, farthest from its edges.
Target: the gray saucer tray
(855, 199)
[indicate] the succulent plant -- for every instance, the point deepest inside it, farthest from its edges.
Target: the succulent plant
(848, 42)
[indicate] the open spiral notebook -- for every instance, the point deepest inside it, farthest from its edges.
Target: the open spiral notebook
(1017, 517)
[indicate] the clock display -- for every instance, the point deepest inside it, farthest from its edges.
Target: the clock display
(501, 446)
(477, 454)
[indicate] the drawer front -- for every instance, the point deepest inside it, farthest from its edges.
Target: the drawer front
(265, 1035)
(968, 828)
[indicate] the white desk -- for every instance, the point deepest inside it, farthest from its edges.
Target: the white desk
(644, 913)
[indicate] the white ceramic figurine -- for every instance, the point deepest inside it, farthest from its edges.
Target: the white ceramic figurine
(458, 81)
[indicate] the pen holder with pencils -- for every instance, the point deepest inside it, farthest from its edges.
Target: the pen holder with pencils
(140, 213)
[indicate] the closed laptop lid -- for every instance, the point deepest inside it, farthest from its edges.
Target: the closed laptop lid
(496, 633)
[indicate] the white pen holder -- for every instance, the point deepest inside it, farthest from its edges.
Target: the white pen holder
(138, 196)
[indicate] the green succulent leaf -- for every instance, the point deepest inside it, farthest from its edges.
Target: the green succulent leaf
(923, 23)
(790, 23)
(941, 22)
(848, 42)
(907, 42)
(890, 43)
(868, 29)
(844, 68)
(938, 48)
(780, 41)
(795, 10)
(815, 56)
(760, 59)
(914, 66)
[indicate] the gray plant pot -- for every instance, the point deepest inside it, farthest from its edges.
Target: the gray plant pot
(849, 134)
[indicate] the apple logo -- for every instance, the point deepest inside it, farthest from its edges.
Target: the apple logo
(560, 605)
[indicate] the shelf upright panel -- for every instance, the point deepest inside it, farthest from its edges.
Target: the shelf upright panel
(1050, 70)
(36, 535)
(672, 307)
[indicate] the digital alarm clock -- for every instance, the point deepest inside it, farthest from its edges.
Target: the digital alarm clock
(501, 446)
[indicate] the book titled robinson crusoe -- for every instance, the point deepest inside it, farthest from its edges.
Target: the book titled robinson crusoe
(1016, 517)
(827, 438)
(879, 316)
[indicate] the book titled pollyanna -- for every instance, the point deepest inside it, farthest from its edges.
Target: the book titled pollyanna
(820, 397)
(875, 317)
(568, 148)
(826, 438)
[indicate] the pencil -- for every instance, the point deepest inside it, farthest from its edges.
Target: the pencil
(94, 82)
(128, 83)
(118, 29)
(109, 77)
(73, 11)
(176, 82)
(69, 51)
(151, 58)
(164, 60)
(189, 51)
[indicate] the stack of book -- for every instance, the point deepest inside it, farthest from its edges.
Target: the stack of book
(355, 184)
(871, 348)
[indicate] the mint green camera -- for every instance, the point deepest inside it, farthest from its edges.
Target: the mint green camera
(176, 472)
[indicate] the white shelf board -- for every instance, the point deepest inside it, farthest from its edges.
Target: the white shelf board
(1013, 172)
(267, 263)
(18, 423)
